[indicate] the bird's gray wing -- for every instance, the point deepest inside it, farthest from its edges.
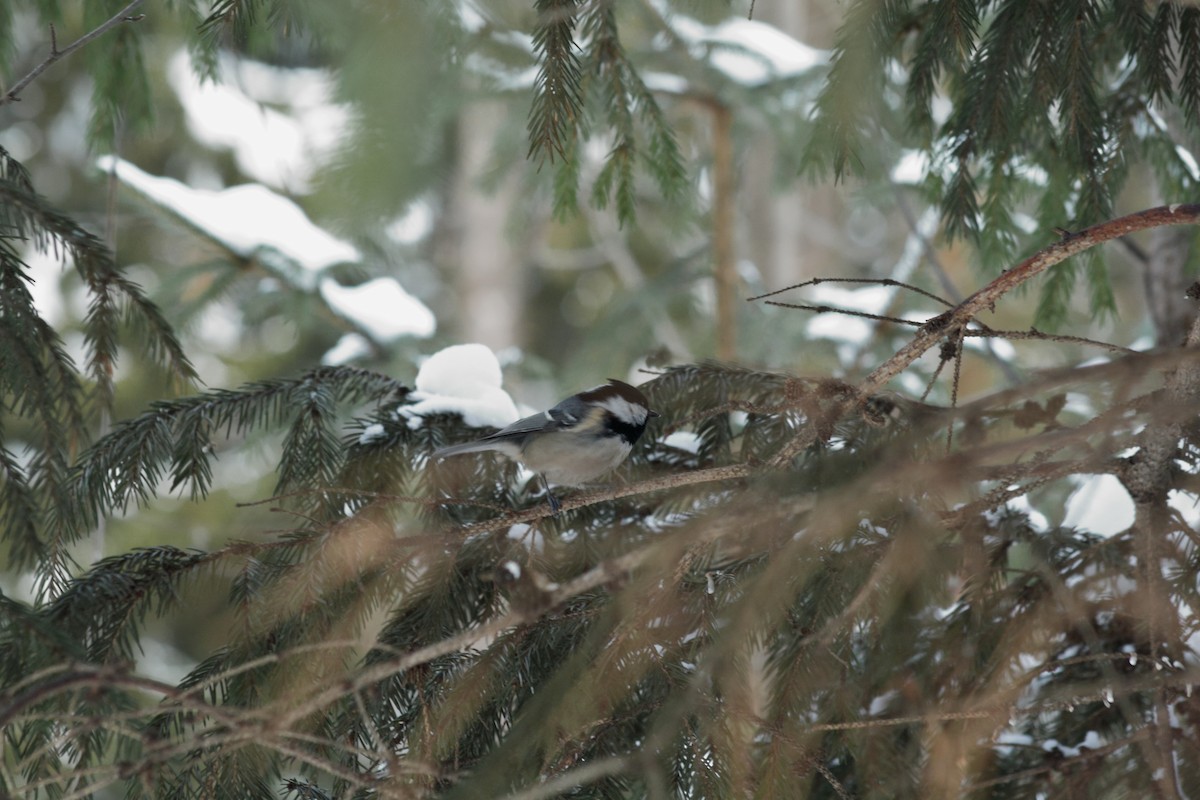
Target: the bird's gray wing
(568, 412)
(533, 424)
(508, 439)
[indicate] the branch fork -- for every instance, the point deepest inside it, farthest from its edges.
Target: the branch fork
(122, 16)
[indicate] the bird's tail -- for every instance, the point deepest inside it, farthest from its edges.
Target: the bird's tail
(469, 447)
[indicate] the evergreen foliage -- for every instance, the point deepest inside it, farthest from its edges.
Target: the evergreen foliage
(838, 628)
(557, 120)
(783, 592)
(43, 389)
(1052, 106)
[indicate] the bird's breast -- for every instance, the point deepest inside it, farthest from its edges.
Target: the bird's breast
(570, 460)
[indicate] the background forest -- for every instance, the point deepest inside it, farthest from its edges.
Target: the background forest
(912, 284)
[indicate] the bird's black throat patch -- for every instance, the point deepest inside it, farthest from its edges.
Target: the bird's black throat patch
(628, 431)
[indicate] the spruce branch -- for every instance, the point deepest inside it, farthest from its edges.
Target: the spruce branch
(41, 384)
(236, 728)
(621, 571)
(557, 112)
(1149, 480)
(239, 14)
(52, 231)
(1075, 91)
(1189, 55)
(19, 511)
(123, 16)
(105, 604)
(175, 437)
(933, 330)
(627, 101)
(552, 597)
(845, 98)
(590, 498)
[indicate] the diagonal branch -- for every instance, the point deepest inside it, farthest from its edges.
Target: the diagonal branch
(935, 329)
(1039, 262)
(727, 472)
(124, 15)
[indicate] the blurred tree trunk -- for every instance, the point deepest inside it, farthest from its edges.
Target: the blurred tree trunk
(475, 244)
(723, 223)
(789, 234)
(1165, 274)
(1166, 279)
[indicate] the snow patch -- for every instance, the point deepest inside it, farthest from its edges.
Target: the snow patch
(462, 379)
(529, 536)
(380, 307)
(1189, 162)
(839, 327)
(245, 219)
(1187, 504)
(1037, 520)
(280, 144)
(45, 288)
(749, 52)
(370, 433)
(911, 169)
(687, 441)
(413, 225)
(1100, 505)
(351, 347)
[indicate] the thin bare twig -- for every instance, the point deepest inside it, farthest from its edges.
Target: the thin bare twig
(828, 309)
(935, 329)
(958, 360)
(939, 271)
(1041, 336)
(888, 282)
(122, 16)
(1039, 262)
(1064, 763)
(929, 384)
(833, 781)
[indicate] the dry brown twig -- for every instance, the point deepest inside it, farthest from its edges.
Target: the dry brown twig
(121, 17)
(932, 332)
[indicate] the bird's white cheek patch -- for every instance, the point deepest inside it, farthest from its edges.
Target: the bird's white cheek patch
(624, 410)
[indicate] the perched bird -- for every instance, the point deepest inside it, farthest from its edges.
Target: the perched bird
(581, 438)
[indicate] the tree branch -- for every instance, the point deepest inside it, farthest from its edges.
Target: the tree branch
(1039, 262)
(935, 329)
(1148, 481)
(581, 499)
(11, 96)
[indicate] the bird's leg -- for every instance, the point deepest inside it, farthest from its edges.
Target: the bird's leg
(555, 506)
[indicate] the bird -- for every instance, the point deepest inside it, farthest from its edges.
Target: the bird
(580, 439)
